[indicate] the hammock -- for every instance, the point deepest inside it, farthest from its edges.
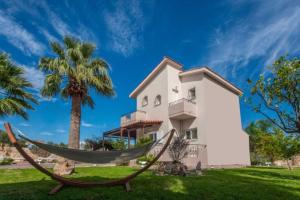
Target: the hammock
(99, 157)
(77, 183)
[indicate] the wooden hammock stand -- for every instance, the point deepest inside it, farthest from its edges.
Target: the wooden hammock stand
(77, 183)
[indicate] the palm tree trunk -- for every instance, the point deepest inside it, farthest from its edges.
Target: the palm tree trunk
(64, 166)
(74, 135)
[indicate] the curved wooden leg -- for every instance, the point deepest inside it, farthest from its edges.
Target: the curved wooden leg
(56, 189)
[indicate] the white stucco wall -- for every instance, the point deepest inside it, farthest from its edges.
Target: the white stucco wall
(195, 81)
(227, 143)
(159, 85)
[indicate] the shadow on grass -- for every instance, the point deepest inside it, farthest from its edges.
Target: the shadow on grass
(225, 185)
(288, 175)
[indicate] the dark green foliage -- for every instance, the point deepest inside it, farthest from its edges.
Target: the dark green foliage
(147, 158)
(6, 161)
(4, 138)
(144, 141)
(269, 143)
(4, 141)
(97, 143)
(14, 98)
(119, 144)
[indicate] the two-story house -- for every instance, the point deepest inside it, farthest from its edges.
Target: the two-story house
(198, 103)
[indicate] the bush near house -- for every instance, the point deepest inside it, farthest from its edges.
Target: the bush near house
(6, 161)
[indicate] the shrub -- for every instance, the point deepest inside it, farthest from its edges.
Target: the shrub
(144, 141)
(6, 161)
(147, 158)
(119, 144)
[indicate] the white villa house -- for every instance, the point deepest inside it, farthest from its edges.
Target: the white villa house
(198, 103)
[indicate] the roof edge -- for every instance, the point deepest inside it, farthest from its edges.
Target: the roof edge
(215, 76)
(166, 60)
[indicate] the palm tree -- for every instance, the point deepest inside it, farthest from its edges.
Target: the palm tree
(73, 73)
(14, 99)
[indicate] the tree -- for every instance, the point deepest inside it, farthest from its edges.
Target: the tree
(270, 143)
(118, 144)
(14, 98)
(264, 147)
(144, 141)
(4, 139)
(73, 73)
(289, 145)
(97, 143)
(178, 148)
(280, 94)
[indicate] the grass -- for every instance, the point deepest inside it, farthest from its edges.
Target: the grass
(230, 184)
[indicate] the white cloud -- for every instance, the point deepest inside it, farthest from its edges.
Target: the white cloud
(35, 76)
(62, 28)
(271, 29)
(85, 124)
(25, 124)
(47, 35)
(89, 125)
(19, 36)
(125, 25)
(59, 25)
(61, 131)
(46, 133)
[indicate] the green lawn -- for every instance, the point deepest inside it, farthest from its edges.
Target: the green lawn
(235, 184)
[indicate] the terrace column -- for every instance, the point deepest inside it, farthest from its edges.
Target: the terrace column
(121, 133)
(128, 137)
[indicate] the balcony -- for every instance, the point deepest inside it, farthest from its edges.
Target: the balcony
(182, 109)
(133, 117)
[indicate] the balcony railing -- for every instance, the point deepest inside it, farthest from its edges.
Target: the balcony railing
(182, 109)
(132, 117)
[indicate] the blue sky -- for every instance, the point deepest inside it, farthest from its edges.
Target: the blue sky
(236, 38)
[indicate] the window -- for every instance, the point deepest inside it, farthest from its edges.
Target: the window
(157, 100)
(192, 93)
(145, 101)
(191, 134)
(153, 136)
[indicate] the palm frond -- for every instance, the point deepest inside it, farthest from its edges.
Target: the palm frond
(58, 49)
(51, 85)
(14, 88)
(70, 42)
(87, 100)
(13, 106)
(80, 71)
(87, 50)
